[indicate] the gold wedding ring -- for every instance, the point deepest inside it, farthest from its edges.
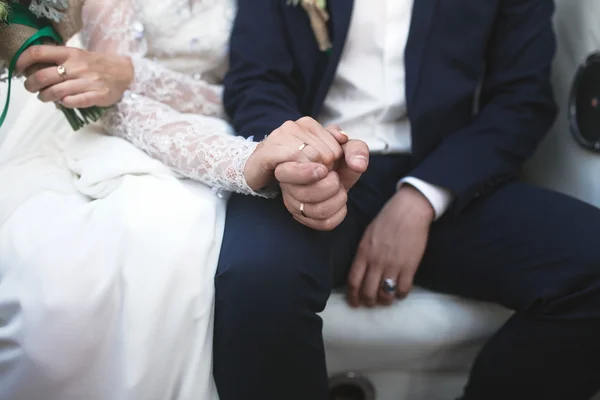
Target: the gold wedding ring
(302, 210)
(62, 72)
(302, 146)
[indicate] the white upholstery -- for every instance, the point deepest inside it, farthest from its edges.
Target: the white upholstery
(425, 332)
(561, 163)
(417, 349)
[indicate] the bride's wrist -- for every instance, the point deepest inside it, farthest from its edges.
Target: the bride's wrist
(260, 179)
(252, 170)
(128, 70)
(139, 76)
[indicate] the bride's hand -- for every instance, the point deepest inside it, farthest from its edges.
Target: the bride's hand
(92, 79)
(305, 141)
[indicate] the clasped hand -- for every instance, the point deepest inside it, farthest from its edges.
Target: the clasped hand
(315, 168)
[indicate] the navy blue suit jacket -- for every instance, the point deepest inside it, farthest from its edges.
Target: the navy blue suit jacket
(478, 88)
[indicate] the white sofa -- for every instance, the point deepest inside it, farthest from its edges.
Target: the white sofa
(421, 348)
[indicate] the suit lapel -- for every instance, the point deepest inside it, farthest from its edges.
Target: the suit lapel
(340, 12)
(422, 17)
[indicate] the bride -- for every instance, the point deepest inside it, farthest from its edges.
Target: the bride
(107, 257)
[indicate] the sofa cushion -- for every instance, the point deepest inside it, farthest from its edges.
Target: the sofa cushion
(425, 331)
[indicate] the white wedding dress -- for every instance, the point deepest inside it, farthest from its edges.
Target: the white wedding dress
(107, 256)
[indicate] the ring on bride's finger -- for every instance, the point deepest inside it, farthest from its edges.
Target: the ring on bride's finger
(302, 210)
(62, 72)
(388, 285)
(302, 146)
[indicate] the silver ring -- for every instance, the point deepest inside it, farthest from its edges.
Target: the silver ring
(388, 285)
(62, 72)
(302, 146)
(302, 210)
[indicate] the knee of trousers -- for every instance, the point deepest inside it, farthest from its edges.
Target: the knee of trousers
(567, 288)
(270, 267)
(271, 295)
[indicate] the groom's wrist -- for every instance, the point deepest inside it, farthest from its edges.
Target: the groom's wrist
(438, 198)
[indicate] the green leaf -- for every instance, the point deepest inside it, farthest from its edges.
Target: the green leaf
(3, 11)
(78, 118)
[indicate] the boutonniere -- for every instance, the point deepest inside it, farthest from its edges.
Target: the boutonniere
(318, 15)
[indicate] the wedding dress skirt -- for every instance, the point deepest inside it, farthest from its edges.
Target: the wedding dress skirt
(106, 268)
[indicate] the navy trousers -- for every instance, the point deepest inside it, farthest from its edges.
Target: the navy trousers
(529, 249)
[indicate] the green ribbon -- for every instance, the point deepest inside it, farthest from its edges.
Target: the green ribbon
(20, 15)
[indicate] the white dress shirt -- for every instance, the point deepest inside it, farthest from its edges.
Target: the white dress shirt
(368, 95)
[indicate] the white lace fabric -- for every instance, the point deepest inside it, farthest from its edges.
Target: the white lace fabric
(172, 116)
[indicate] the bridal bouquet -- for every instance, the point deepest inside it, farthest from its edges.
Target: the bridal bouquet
(26, 23)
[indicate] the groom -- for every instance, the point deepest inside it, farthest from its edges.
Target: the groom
(452, 97)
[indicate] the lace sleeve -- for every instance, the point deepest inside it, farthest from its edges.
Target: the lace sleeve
(112, 26)
(197, 145)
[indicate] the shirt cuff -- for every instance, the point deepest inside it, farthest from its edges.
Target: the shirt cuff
(439, 198)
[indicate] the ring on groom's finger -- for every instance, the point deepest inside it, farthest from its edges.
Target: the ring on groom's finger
(302, 210)
(302, 146)
(388, 285)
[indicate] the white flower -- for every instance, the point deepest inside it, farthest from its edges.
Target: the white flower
(50, 9)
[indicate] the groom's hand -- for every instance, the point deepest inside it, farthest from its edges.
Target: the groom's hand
(321, 204)
(391, 249)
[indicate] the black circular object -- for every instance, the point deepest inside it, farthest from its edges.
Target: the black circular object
(350, 386)
(584, 104)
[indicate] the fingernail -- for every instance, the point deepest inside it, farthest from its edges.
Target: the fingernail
(320, 172)
(360, 160)
(343, 133)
